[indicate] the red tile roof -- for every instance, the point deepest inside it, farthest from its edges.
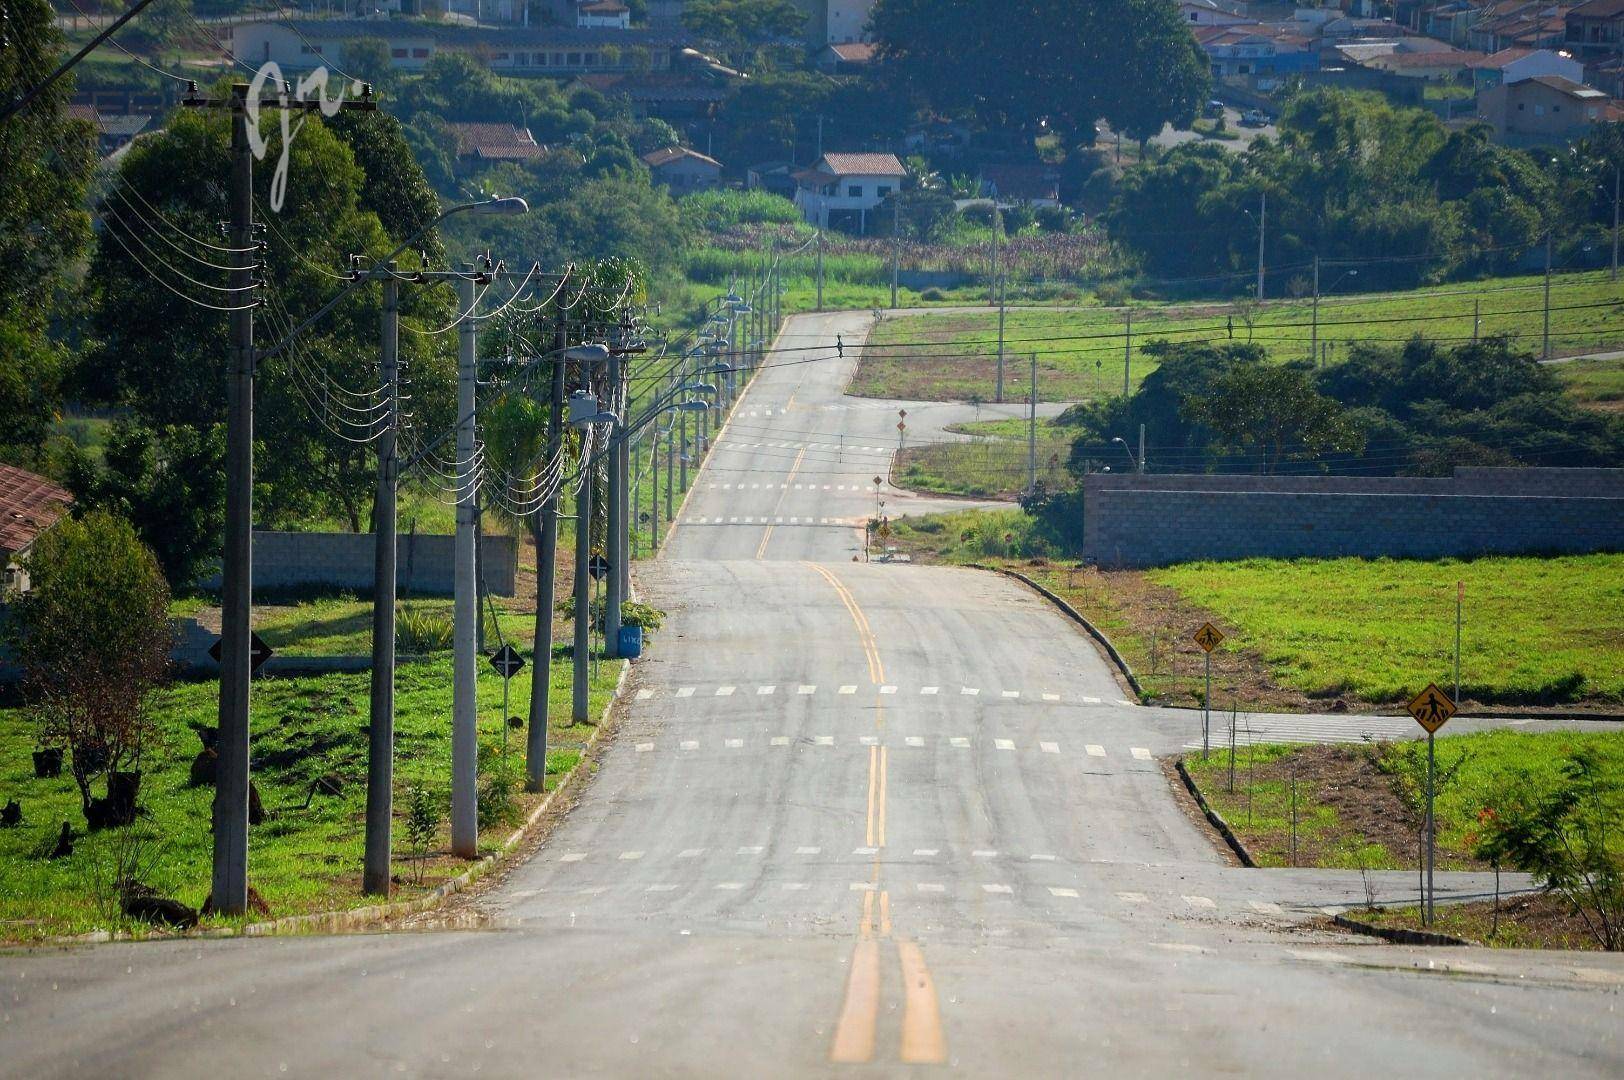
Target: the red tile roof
(676, 153)
(865, 164)
(29, 504)
(855, 52)
(494, 141)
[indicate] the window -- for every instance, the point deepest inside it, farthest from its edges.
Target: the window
(420, 54)
(855, 191)
(1591, 111)
(1521, 106)
(591, 59)
(574, 59)
(883, 190)
(1539, 110)
(398, 54)
(500, 56)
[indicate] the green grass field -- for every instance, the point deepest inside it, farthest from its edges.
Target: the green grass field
(1596, 384)
(985, 469)
(1494, 762)
(1081, 351)
(1536, 630)
(302, 858)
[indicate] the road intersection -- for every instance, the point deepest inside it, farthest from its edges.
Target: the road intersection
(855, 815)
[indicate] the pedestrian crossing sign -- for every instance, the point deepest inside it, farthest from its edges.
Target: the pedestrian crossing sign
(1432, 708)
(1209, 637)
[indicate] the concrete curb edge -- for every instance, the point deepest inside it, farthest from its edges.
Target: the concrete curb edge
(1398, 936)
(1215, 818)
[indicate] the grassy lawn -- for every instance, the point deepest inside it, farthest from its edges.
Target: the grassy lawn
(1303, 633)
(306, 856)
(986, 469)
(1360, 807)
(1081, 351)
(1595, 384)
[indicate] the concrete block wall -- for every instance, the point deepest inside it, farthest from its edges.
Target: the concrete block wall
(1153, 520)
(293, 560)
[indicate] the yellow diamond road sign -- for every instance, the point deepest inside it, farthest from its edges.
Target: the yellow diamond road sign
(1209, 637)
(1432, 708)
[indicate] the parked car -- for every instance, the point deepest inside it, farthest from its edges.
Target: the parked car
(1255, 118)
(1214, 109)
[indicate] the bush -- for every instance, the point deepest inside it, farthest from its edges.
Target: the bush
(714, 211)
(422, 825)
(1111, 294)
(419, 632)
(499, 785)
(93, 641)
(631, 613)
(933, 294)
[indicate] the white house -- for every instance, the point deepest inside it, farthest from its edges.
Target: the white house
(604, 13)
(683, 170)
(829, 22)
(848, 186)
(1515, 65)
(1209, 13)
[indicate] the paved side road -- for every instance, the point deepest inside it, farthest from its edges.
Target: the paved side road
(857, 816)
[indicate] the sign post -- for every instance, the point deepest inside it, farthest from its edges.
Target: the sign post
(1432, 709)
(1209, 637)
(507, 663)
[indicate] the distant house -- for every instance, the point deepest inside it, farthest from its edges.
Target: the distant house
(1210, 13)
(835, 20)
(1416, 58)
(1530, 24)
(114, 131)
(847, 187)
(683, 170)
(604, 13)
(1545, 108)
(777, 177)
(1514, 65)
(480, 143)
(1021, 185)
(847, 57)
(667, 95)
(1595, 28)
(29, 505)
(1255, 51)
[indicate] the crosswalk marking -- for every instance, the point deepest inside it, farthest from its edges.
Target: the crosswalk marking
(914, 740)
(733, 744)
(1054, 891)
(1049, 747)
(1003, 744)
(997, 888)
(807, 690)
(1095, 750)
(690, 744)
(928, 690)
(686, 691)
(725, 691)
(1200, 902)
(1140, 752)
(644, 695)
(848, 690)
(765, 691)
(961, 743)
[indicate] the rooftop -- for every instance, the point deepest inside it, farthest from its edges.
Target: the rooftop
(864, 165)
(677, 153)
(29, 504)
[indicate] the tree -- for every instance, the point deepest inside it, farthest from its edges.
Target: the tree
(1275, 410)
(741, 26)
(168, 482)
(1054, 63)
(92, 638)
(46, 161)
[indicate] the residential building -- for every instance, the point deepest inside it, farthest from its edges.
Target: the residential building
(846, 57)
(1531, 24)
(1258, 52)
(29, 505)
(483, 143)
(1514, 65)
(304, 44)
(1596, 27)
(1542, 109)
(669, 96)
(1034, 184)
(833, 21)
(846, 188)
(1210, 13)
(777, 177)
(114, 131)
(606, 14)
(683, 170)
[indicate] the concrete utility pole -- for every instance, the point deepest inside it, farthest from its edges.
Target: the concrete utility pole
(820, 265)
(230, 877)
(381, 716)
(1032, 431)
(654, 489)
(1127, 355)
(1545, 350)
(1003, 301)
(1262, 233)
(896, 244)
(616, 514)
(1615, 221)
(541, 673)
(1141, 462)
(465, 608)
(1313, 340)
(580, 711)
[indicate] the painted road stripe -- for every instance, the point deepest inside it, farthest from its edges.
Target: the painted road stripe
(865, 851)
(731, 886)
(1051, 697)
(644, 747)
(962, 744)
(998, 888)
(733, 744)
(1200, 902)
(748, 850)
(807, 690)
(969, 691)
(848, 689)
(1003, 744)
(724, 691)
(1095, 750)
(823, 740)
(780, 740)
(1054, 891)
(1043, 858)
(930, 886)
(928, 689)
(888, 689)
(765, 691)
(1012, 693)
(686, 691)
(1142, 753)
(690, 853)
(863, 886)
(690, 744)
(573, 856)
(984, 854)
(794, 886)
(630, 856)
(808, 851)
(869, 740)
(1049, 747)
(644, 695)
(661, 888)
(1091, 700)
(914, 740)
(1133, 898)
(927, 852)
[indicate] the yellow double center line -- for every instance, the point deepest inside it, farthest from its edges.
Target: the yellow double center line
(778, 508)
(856, 1027)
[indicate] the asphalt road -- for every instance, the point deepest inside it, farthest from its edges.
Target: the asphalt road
(858, 816)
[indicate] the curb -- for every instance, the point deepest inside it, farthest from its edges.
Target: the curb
(1215, 818)
(1400, 937)
(350, 919)
(1600, 718)
(1075, 616)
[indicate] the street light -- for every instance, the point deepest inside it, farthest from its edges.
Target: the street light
(1127, 450)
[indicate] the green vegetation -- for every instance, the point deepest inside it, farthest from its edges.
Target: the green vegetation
(982, 469)
(1080, 351)
(1595, 384)
(306, 856)
(1537, 630)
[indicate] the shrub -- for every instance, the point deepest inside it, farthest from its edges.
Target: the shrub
(631, 613)
(93, 641)
(419, 632)
(422, 825)
(933, 294)
(499, 785)
(1111, 294)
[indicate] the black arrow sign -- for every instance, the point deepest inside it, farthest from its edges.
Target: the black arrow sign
(258, 652)
(507, 662)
